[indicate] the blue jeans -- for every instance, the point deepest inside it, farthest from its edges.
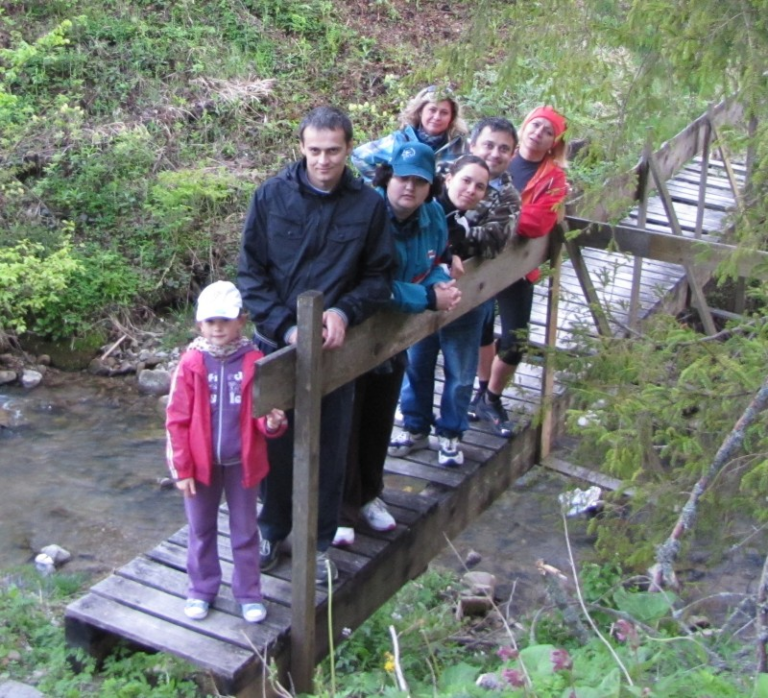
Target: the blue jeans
(459, 342)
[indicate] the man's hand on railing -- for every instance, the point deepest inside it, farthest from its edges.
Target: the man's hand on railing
(447, 295)
(334, 330)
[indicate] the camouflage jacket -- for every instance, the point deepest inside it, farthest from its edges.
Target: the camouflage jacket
(496, 217)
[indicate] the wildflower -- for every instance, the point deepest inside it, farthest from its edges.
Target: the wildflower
(626, 632)
(506, 653)
(513, 677)
(389, 664)
(561, 660)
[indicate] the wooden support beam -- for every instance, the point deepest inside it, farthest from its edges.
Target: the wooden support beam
(703, 177)
(728, 169)
(667, 248)
(306, 466)
(637, 271)
(588, 288)
(699, 299)
(591, 476)
(548, 378)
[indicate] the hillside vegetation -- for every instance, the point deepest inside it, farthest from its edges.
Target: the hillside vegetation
(133, 132)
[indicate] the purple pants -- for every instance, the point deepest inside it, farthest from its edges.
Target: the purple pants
(203, 564)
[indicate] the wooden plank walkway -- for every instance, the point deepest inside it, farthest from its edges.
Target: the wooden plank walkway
(142, 601)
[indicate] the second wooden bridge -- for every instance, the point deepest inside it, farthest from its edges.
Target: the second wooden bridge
(653, 270)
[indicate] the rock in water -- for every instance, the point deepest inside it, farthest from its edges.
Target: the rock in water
(30, 378)
(155, 382)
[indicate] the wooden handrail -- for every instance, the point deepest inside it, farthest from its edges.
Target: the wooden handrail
(670, 157)
(388, 333)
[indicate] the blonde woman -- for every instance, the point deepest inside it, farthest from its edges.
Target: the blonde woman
(432, 117)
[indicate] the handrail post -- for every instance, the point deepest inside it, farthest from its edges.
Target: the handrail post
(306, 465)
(550, 339)
(703, 175)
(643, 180)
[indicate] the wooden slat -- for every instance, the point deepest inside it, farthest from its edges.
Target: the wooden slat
(232, 665)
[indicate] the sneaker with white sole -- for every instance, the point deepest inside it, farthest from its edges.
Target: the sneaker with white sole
(254, 612)
(345, 536)
(325, 567)
(377, 516)
(196, 609)
(450, 453)
(405, 442)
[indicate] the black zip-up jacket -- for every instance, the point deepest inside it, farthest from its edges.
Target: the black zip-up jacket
(297, 239)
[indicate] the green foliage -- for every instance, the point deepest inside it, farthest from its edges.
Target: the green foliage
(646, 656)
(32, 643)
(31, 280)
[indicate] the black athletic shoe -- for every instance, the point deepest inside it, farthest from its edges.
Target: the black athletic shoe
(269, 553)
(472, 409)
(495, 413)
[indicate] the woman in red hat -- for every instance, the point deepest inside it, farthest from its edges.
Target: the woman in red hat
(537, 170)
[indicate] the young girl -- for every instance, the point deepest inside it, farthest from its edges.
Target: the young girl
(215, 446)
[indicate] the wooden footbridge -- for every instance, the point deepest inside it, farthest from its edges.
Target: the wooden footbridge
(645, 264)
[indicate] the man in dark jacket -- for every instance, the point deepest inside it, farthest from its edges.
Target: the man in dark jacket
(313, 227)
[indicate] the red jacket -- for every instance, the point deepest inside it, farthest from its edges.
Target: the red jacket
(542, 204)
(189, 446)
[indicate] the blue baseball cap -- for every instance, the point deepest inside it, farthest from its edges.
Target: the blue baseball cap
(414, 160)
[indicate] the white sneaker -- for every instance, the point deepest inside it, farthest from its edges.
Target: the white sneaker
(405, 442)
(254, 612)
(377, 515)
(196, 609)
(344, 536)
(450, 453)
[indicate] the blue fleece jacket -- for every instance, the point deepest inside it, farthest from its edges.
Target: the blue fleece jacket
(420, 241)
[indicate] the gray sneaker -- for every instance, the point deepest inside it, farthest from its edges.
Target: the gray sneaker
(405, 442)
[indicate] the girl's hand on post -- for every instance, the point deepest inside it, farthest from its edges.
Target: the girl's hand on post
(187, 486)
(275, 419)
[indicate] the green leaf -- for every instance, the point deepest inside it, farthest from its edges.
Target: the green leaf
(761, 686)
(644, 606)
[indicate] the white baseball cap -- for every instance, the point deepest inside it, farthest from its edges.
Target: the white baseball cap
(219, 299)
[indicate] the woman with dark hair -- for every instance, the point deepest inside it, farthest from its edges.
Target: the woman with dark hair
(465, 188)
(537, 170)
(421, 283)
(432, 117)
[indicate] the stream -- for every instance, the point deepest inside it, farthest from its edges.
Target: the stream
(82, 460)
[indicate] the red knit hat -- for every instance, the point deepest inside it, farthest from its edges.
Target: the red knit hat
(557, 120)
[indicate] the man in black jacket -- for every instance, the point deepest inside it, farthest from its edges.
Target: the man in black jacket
(313, 227)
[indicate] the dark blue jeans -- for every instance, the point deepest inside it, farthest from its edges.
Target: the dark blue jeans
(459, 341)
(276, 519)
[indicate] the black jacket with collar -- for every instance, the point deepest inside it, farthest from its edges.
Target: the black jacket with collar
(297, 239)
